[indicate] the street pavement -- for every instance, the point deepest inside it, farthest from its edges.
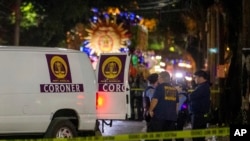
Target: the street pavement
(123, 127)
(129, 127)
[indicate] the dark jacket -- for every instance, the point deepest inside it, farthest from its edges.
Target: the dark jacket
(200, 99)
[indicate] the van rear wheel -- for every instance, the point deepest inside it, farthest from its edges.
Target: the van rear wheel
(61, 129)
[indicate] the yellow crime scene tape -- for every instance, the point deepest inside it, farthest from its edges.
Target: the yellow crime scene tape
(162, 135)
(147, 136)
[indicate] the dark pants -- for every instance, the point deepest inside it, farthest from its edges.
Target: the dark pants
(199, 121)
(157, 125)
(181, 120)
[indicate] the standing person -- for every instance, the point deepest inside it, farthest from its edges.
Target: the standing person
(200, 102)
(164, 105)
(148, 94)
(183, 114)
(140, 83)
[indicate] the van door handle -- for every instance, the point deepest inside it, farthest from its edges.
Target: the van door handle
(127, 89)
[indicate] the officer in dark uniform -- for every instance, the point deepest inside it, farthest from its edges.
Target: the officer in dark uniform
(164, 105)
(200, 102)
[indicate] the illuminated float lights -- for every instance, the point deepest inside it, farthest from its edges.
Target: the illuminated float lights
(115, 15)
(110, 21)
(180, 62)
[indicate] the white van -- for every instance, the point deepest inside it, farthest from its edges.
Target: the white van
(49, 91)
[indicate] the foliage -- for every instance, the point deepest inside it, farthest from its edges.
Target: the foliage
(6, 7)
(58, 18)
(45, 22)
(29, 15)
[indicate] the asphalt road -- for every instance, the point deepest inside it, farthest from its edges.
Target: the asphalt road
(129, 127)
(118, 127)
(122, 127)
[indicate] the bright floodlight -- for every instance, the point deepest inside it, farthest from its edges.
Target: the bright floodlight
(178, 75)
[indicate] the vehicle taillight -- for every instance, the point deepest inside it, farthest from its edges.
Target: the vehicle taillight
(99, 100)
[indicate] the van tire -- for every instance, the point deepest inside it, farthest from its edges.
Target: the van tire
(61, 129)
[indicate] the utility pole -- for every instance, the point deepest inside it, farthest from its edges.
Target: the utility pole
(17, 22)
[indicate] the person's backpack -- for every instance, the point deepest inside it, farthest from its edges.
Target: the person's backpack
(146, 104)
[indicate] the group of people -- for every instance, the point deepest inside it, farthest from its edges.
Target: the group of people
(164, 103)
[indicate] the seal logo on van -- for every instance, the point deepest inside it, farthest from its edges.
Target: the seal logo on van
(111, 72)
(111, 67)
(59, 70)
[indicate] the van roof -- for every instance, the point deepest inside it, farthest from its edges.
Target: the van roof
(37, 49)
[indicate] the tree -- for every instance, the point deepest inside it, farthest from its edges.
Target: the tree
(195, 18)
(6, 8)
(57, 17)
(54, 19)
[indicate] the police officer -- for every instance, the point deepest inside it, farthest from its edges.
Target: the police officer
(164, 105)
(200, 102)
